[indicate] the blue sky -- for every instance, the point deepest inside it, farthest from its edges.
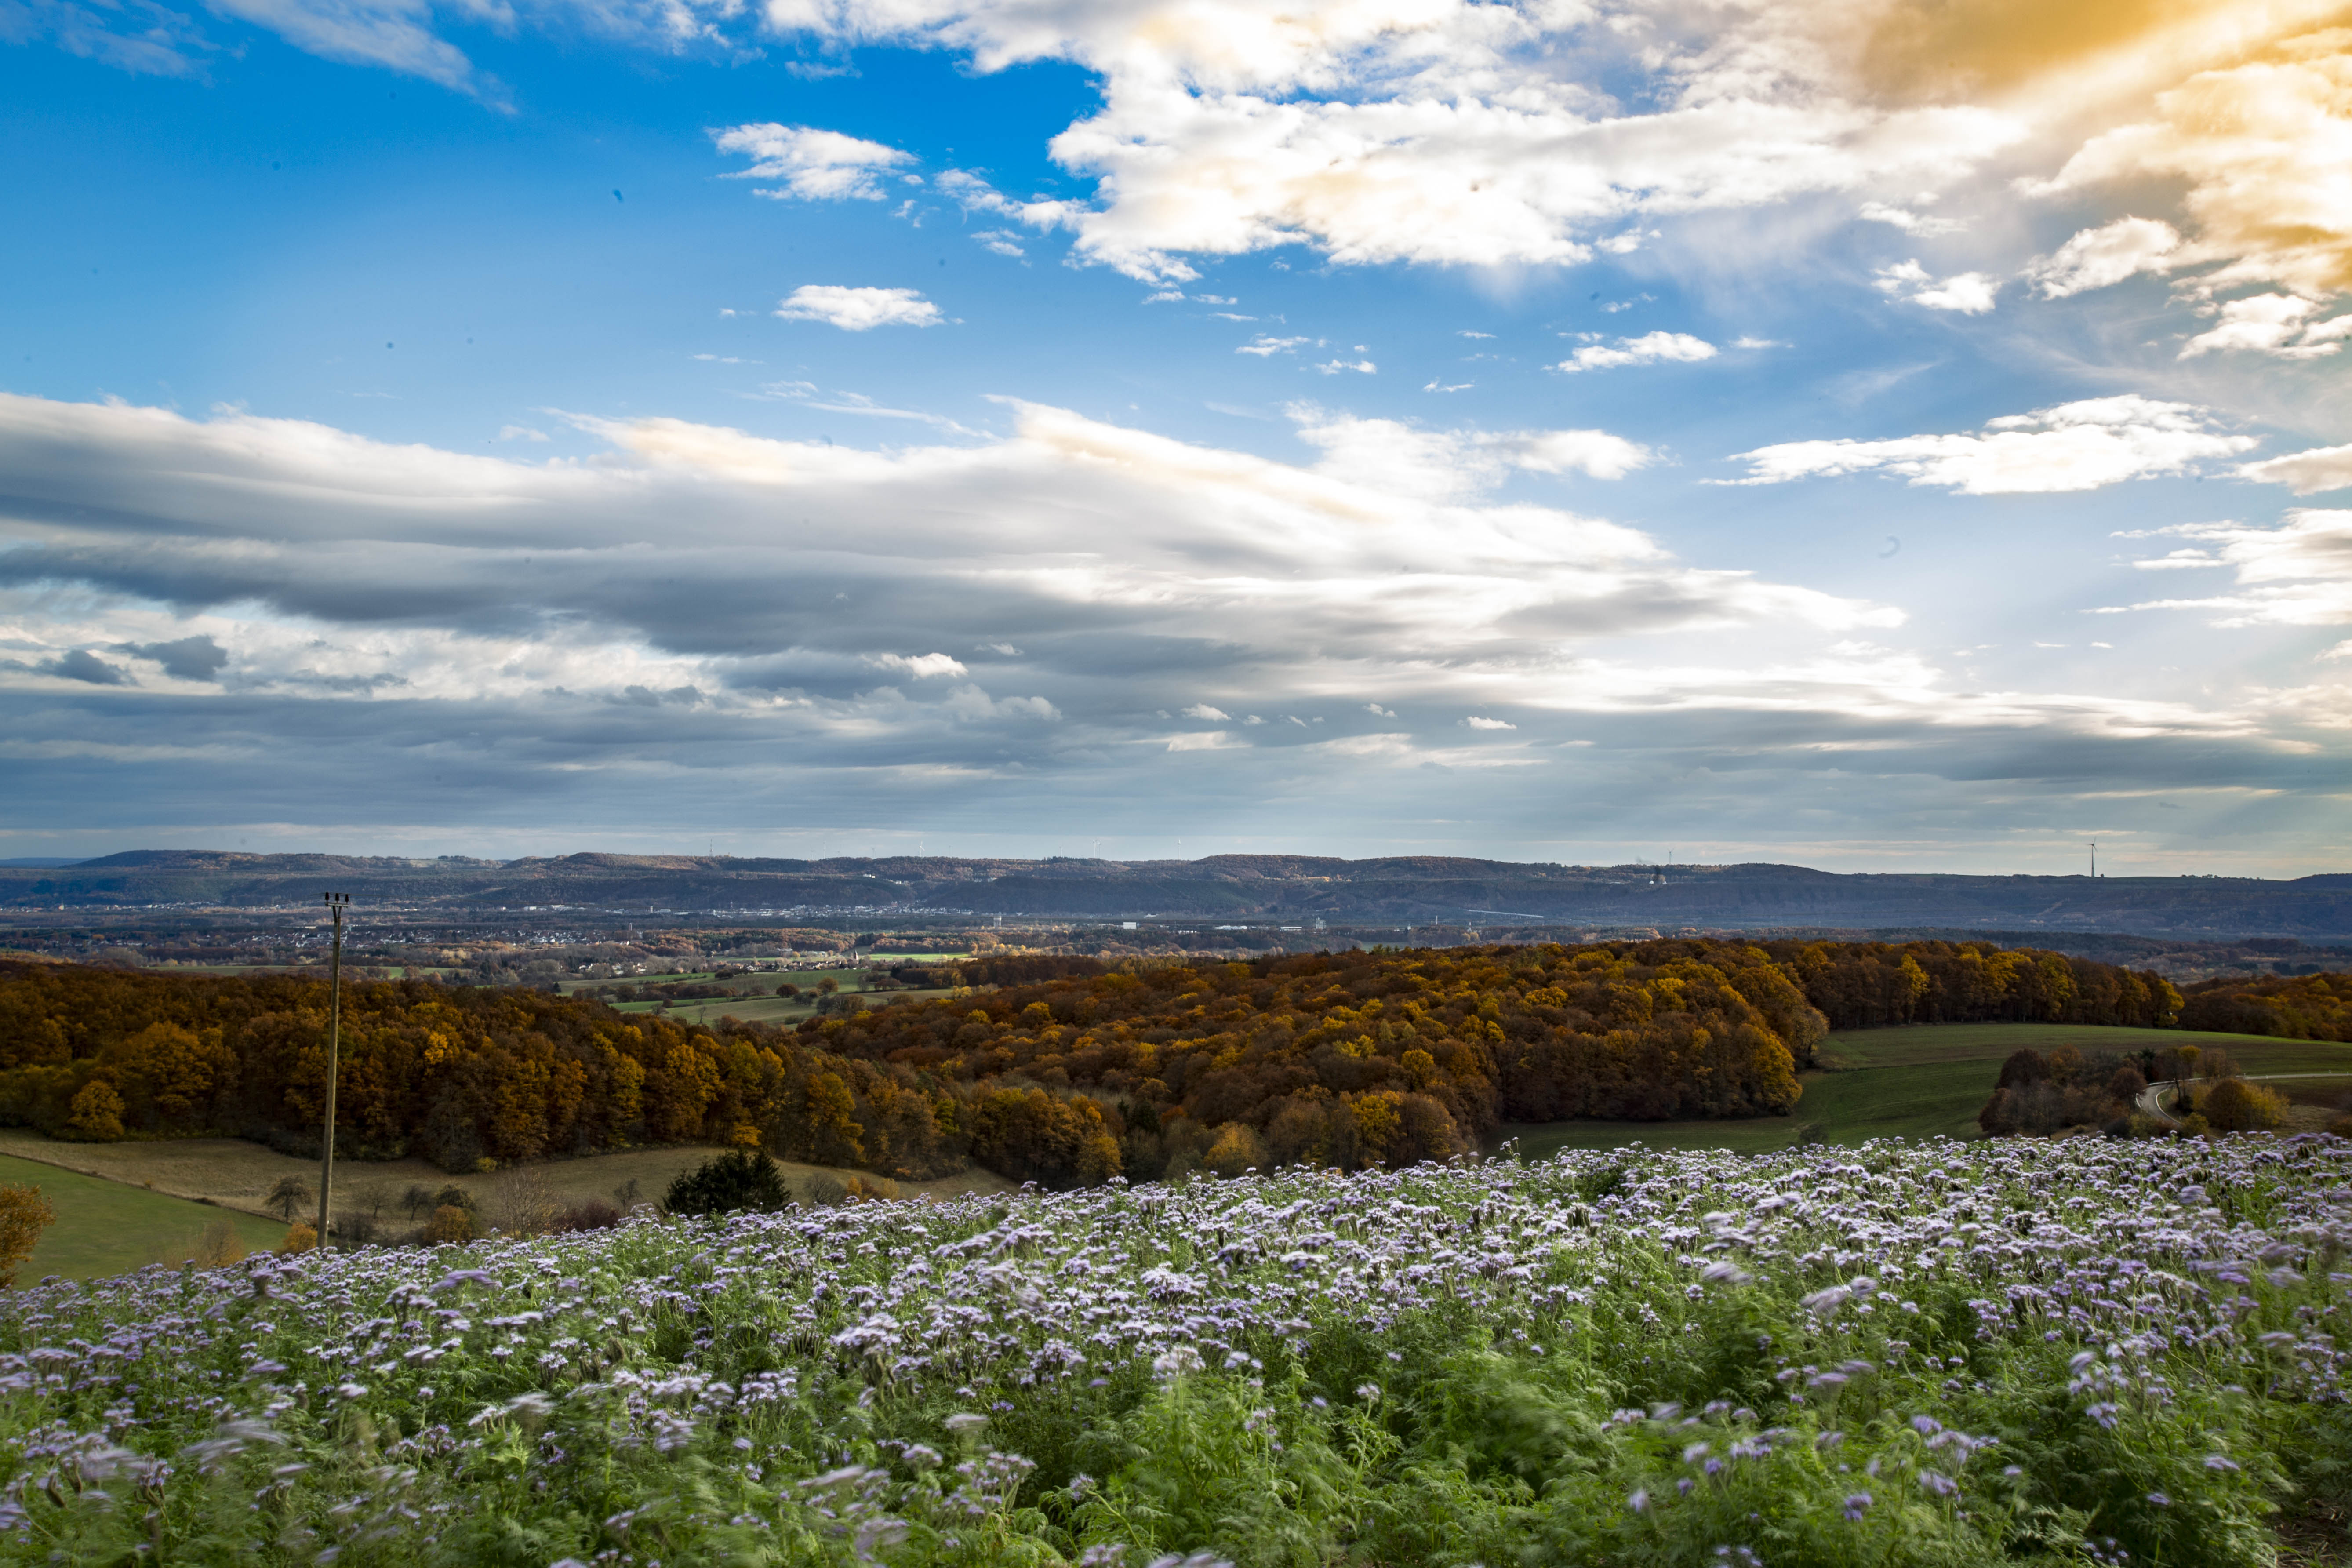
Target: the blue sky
(1880, 436)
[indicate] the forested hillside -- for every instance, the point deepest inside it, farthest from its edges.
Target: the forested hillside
(456, 1074)
(1363, 1059)
(2308, 1007)
(1054, 1069)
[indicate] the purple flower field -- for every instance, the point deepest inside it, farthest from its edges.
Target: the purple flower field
(2013, 1351)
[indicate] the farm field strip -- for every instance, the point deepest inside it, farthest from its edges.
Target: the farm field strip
(2016, 1351)
(1923, 1080)
(207, 1177)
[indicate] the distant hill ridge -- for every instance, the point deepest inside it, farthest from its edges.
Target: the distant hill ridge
(1415, 888)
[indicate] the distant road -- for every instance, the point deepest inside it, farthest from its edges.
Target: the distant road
(2150, 1099)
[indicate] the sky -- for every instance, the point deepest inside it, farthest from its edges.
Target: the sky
(1880, 435)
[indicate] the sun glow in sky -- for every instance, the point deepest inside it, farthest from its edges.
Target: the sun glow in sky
(1880, 434)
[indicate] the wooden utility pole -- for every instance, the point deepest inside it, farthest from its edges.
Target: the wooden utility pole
(336, 904)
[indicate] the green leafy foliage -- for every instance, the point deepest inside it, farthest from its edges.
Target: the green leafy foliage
(2010, 1353)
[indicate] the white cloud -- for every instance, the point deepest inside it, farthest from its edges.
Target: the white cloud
(1759, 343)
(1651, 348)
(1003, 242)
(1593, 452)
(1263, 345)
(2280, 325)
(1911, 223)
(1360, 367)
(2097, 258)
(2262, 145)
(776, 601)
(1376, 707)
(2306, 473)
(1461, 133)
(858, 309)
(2296, 574)
(808, 164)
(1969, 293)
(396, 35)
(1203, 711)
(2073, 447)
(1431, 131)
(1412, 460)
(520, 433)
(919, 667)
(1475, 722)
(1471, 334)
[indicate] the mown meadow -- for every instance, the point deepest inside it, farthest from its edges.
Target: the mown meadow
(2012, 1351)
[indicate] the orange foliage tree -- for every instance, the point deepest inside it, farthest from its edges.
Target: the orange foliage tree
(24, 1215)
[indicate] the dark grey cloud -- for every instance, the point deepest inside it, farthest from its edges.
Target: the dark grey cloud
(84, 666)
(189, 659)
(707, 627)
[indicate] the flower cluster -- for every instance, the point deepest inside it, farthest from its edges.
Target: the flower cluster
(2084, 1347)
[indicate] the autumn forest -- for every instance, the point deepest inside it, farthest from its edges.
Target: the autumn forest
(1060, 1070)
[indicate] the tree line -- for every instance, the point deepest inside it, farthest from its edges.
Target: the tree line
(2306, 1007)
(458, 1075)
(1066, 1072)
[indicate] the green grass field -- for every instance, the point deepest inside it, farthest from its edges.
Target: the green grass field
(107, 1228)
(1915, 1082)
(755, 1001)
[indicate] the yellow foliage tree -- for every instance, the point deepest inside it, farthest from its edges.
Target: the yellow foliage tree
(1238, 1148)
(1377, 1121)
(96, 1113)
(2233, 1105)
(299, 1237)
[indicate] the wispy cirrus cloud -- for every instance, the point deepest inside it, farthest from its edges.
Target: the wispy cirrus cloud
(2079, 446)
(2298, 574)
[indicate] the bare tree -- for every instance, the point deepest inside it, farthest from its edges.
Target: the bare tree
(521, 1203)
(290, 1194)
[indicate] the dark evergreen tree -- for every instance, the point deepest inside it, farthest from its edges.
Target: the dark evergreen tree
(740, 1179)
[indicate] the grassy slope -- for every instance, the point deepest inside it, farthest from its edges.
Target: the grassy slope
(107, 1228)
(233, 1173)
(1914, 1083)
